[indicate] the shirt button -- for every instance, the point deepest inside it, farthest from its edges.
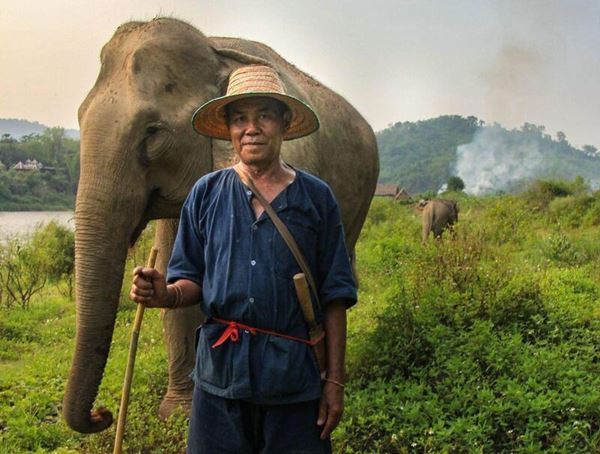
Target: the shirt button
(254, 227)
(252, 262)
(251, 299)
(249, 192)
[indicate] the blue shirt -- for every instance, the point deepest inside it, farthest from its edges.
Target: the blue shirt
(245, 270)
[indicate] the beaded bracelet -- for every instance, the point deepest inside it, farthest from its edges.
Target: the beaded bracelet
(335, 382)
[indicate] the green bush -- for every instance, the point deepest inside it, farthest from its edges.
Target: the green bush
(55, 244)
(542, 192)
(571, 210)
(592, 215)
(22, 273)
(560, 249)
(28, 263)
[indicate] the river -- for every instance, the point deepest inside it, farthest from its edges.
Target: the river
(23, 223)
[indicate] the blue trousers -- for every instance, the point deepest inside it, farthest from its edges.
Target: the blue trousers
(219, 425)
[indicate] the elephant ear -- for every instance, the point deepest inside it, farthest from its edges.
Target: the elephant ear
(229, 60)
(233, 53)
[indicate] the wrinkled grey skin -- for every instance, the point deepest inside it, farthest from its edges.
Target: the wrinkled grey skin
(438, 215)
(139, 159)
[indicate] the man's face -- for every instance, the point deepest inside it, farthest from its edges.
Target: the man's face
(257, 126)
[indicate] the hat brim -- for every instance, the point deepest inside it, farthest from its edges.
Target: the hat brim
(210, 118)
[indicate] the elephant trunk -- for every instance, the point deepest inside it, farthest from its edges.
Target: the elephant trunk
(104, 224)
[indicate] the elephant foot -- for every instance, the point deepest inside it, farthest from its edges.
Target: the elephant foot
(170, 404)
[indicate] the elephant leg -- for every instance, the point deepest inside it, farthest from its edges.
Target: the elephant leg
(179, 329)
(426, 227)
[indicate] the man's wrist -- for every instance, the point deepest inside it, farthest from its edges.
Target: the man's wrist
(335, 382)
(174, 296)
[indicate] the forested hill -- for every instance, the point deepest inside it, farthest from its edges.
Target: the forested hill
(421, 156)
(18, 128)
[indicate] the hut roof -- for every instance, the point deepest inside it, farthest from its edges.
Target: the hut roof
(389, 190)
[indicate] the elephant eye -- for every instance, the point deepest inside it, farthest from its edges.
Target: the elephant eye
(157, 140)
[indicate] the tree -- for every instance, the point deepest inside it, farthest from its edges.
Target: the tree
(7, 138)
(590, 150)
(54, 138)
(455, 184)
(22, 274)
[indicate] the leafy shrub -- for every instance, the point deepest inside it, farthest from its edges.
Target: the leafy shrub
(55, 246)
(542, 192)
(505, 219)
(22, 273)
(571, 210)
(560, 249)
(28, 263)
(592, 215)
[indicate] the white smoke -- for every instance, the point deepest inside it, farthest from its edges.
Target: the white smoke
(496, 161)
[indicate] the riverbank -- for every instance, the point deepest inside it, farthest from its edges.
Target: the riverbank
(67, 204)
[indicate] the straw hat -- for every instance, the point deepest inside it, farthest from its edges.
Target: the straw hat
(248, 82)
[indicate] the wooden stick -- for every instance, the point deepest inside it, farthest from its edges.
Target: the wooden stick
(137, 324)
(315, 331)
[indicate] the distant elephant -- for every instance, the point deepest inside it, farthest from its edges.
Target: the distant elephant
(437, 215)
(140, 157)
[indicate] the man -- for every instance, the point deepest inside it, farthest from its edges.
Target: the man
(258, 388)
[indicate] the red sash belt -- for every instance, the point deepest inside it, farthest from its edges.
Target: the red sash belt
(232, 333)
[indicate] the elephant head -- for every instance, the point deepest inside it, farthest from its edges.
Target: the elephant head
(139, 158)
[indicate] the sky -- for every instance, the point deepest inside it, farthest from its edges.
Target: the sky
(505, 61)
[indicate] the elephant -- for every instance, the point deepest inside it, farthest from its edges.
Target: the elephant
(437, 215)
(139, 159)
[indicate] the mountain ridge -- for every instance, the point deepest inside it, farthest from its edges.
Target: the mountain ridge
(18, 128)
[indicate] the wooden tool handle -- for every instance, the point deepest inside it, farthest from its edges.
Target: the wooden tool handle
(314, 331)
(303, 294)
(139, 315)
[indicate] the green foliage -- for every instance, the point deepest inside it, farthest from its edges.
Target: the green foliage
(26, 265)
(482, 343)
(55, 246)
(455, 184)
(570, 211)
(541, 192)
(592, 215)
(561, 250)
(22, 273)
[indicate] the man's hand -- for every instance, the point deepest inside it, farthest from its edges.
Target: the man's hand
(149, 288)
(331, 408)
